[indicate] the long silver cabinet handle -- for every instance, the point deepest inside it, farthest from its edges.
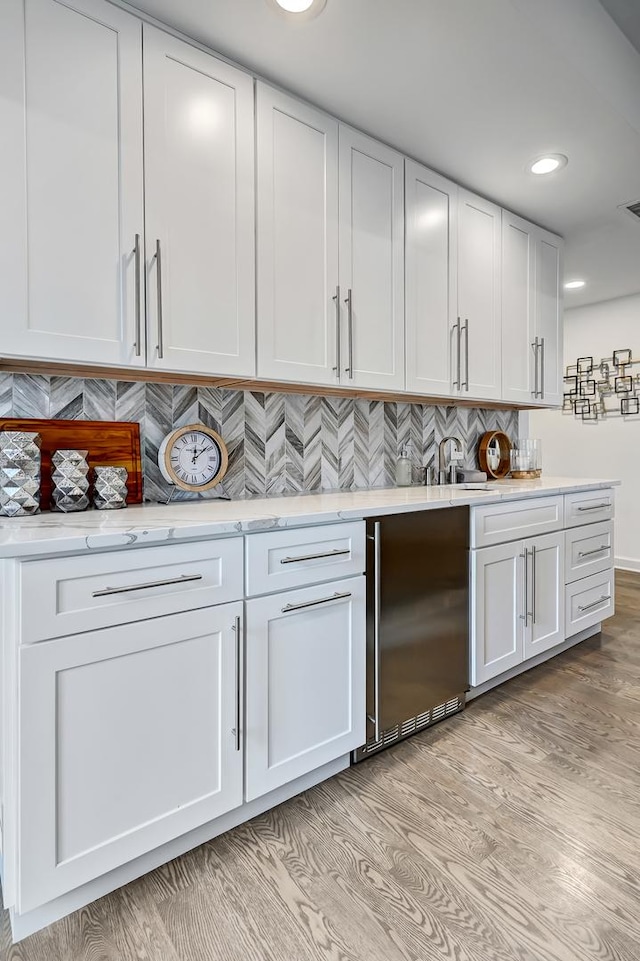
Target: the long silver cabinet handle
(601, 600)
(349, 302)
(338, 596)
(336, 298)
(596, 550)
(533, 585)
(595, 507)
(375, 717)
(237, 628)
(465, 384)
(136, 258)
(456, 328)
(525, 617)
(314, 557)
(534, 346)
(542, 368)
(183, 579)
(160, 345)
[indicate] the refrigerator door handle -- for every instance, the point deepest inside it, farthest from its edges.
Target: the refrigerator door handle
(375, 717)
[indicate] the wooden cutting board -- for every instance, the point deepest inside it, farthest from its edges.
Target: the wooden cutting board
(110, 444)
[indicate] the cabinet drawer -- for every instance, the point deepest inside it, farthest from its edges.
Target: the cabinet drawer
(589, 601)
(74, 594)
(280, 560)
(588, 550)
(588, 507)
(498, 523)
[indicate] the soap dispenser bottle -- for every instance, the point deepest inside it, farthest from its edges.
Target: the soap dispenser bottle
(404, 467)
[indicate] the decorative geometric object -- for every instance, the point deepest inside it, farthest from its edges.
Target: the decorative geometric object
(19, 473)
(584, 365)
(622, 358)
(630, 405)
(110, 488)
(587, 396)
(70, 481)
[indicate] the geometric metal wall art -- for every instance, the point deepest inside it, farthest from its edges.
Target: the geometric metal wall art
(609, 388)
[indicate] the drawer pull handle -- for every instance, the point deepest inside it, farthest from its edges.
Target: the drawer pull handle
(314, 557)
(596, 550)
(601, 600)
(595, 507)
(323, 600)
(143, 587)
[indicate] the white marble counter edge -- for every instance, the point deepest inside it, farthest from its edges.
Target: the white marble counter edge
(52, 534)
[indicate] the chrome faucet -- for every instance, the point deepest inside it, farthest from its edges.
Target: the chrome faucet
(447, 472)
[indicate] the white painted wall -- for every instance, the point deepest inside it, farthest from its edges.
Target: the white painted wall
(608, 448)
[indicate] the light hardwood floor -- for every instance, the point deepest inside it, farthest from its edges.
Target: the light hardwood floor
(508, 833)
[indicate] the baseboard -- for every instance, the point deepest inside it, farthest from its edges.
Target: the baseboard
(533, 662)
(626, 564)
(23, 925)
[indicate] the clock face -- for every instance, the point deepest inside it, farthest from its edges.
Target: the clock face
(193, 458)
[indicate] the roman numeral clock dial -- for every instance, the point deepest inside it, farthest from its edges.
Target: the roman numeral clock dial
(194, 458)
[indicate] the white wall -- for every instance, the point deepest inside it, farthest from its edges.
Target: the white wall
(609, 448)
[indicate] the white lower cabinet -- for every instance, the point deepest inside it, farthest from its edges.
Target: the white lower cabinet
(544, 621)
(497, 603)
(305, 681)
(127, 741)
(517, 598)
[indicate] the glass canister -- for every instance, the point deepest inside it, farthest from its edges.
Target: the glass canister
(526, 458)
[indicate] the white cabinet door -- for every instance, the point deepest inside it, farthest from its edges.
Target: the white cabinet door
(430, 280)
(479, 232)
(549, 317)
(199, 202)
(497, 603)
(71, 190)
(298, 304)
(305, 691)
(371, 262)
(127, 741)
(545, 617)
(518, 308)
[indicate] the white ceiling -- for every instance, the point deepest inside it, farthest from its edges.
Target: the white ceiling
(474, 89)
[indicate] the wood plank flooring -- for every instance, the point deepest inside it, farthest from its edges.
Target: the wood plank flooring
(508, 833)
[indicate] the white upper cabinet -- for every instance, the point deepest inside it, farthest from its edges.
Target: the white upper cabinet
(549, 250)
(199, 200)
(430, 278)
(531, 313)
(518, 308)
(371, 262)
(479, 235)
(298, 308)
(71, 190)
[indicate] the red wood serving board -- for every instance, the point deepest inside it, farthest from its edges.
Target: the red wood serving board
(110, 444)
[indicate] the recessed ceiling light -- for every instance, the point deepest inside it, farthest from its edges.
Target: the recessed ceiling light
(548, 164)
(300, 9)
(574, 284)
(295, 6)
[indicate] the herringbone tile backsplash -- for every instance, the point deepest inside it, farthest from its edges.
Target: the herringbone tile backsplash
(278, 443)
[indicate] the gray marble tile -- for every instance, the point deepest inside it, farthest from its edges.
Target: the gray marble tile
(66, 398)
(6, 394)
(99, 399)
(276, 442)
(31, 395)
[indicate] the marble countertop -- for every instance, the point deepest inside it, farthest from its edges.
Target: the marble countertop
(52, 533)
